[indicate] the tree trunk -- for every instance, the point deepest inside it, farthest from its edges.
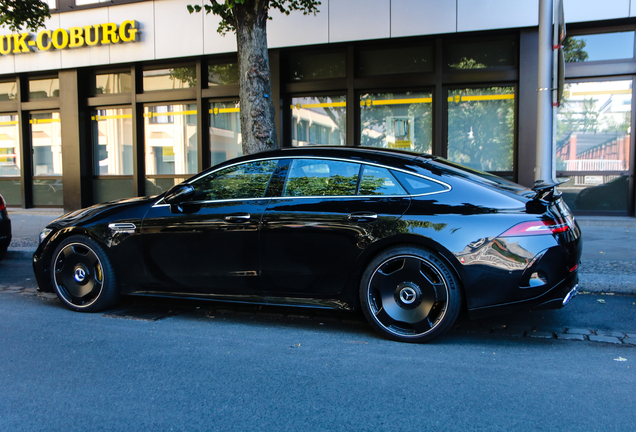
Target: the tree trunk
(258, 126)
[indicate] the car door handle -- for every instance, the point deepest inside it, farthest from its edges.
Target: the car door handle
(362, 217)
(239, 217)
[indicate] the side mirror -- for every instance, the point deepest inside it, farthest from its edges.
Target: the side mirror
(178, 194)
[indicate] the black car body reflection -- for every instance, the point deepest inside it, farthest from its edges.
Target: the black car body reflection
(411, 239)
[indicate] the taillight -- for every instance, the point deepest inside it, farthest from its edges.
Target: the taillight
(2, 205)
(540, 227)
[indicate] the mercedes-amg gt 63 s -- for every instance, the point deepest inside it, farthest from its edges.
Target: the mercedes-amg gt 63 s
(410, 239)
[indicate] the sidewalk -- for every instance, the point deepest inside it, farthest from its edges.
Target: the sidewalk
(608, 262)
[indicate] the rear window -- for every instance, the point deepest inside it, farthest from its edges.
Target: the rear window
(479, 176)
(416, 185)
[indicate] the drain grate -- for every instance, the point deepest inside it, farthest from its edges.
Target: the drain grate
(141, 313)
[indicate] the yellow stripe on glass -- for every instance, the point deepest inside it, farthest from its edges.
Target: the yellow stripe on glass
(458, 98)
(369, 102)
(320, 105)
(224, 110)
(111, 117)
(40, 121)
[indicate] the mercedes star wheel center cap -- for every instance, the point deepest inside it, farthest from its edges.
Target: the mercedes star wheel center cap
(80, 274)
(408, 295)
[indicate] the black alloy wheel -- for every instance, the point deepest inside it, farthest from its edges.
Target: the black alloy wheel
(409, 294)
(83, 276)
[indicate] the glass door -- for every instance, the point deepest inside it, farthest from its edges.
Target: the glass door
(593, 145)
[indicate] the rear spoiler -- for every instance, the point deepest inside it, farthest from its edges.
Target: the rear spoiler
(545, 193)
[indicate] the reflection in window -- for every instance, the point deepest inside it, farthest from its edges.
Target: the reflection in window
(10, 163)
(44, 88)
(593, 144)
(112, 142)
(243, 181)
(379, 181)
(225, 131)
(168, 79)
(481, 54)
(222, 74)
(481, 128)
(599, 47)
(89, 2)
(308, 177)
(314, 65)
(394, 60)
(319, 120)
(8, 90)
(119, 82)
(397, 120)
(171, 146)
(47, 144)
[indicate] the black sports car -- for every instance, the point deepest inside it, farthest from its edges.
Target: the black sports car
(5, 229)
(409, 238)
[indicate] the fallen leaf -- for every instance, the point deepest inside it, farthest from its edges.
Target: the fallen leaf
(620, 359)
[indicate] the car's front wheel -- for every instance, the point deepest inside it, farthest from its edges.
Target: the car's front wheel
(83, 276)
(410, 294)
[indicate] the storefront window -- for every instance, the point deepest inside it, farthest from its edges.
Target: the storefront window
(599, 47)
(594, 144)
(169, 79)
(481, 128)
(10, 163)
(112, 154)
(319, 120)
(394, 60)
(44, 88)
(225, 131)
(119, 82)
(475, 54)
(8, 90)
(314, 65)
(171, 143)
(222, 74)
(397, 120)
(46, 143)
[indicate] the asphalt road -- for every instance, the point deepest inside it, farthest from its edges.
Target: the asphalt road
(216, 367)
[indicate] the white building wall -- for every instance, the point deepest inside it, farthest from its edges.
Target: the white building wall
(168, 31)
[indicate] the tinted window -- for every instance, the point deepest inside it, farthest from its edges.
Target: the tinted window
(379, 181)
(418, 185)
(313, 177)
(243, 181)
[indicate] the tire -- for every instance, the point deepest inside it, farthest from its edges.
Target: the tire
(409, 294)
(83, 276)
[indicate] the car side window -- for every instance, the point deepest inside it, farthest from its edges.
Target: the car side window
(248, 180)
(319, 177)
(379, 181)
(416, 185)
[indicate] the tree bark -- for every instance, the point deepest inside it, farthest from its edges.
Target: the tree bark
(258, 126)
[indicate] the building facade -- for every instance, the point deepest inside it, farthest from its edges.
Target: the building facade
(126, 98)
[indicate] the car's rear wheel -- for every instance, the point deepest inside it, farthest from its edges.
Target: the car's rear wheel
(410, 294)
(83, 276)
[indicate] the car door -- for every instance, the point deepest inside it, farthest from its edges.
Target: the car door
(328, 211)
(209, 243)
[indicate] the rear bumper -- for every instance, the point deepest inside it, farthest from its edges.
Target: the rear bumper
(555, 298)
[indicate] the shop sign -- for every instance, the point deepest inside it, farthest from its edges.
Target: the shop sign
(74, 37)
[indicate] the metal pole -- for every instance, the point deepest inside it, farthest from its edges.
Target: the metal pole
(543, 167)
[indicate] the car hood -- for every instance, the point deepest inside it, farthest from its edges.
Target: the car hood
(100, 211)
